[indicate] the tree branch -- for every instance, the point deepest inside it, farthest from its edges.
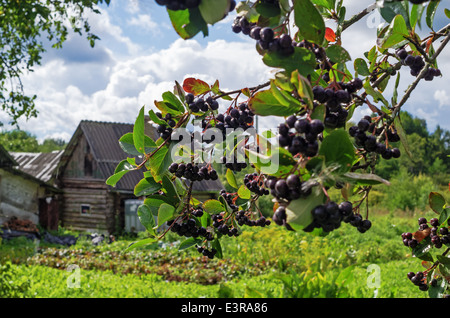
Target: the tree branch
(358, 16)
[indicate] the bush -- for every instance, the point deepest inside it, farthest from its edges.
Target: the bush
(12, 283)
(407, 192)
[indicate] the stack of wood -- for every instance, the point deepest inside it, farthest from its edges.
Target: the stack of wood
(16, 224)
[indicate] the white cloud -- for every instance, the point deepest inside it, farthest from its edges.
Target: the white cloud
(129, 84)
(145, 23)
(441, 96)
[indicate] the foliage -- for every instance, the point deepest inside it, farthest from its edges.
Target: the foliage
(315, 90)
(12, 285)
(421, 144)
(22, 141)
(23, 25)
(252, 266)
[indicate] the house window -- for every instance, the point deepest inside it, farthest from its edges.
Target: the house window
(85, 209)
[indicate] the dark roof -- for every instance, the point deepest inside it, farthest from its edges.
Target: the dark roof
(39, 165)
(103, 139)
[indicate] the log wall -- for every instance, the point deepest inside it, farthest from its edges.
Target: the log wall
(93, 194)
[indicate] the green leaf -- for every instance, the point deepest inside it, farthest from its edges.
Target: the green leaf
(146, 218)
(338, 149)
(165, 213)
(299, 211)
(444, 216)
(213, 206)
(377, 96)
(170, 190)
(447, 12)
(155, 118)
(279, 162)
(338, 54)
(264, 103)
(268, 10)
(189, 242)
(146, 186)
(309, 21)
(122, 168)
(395, 34)
(231, 179)
(403, 138)
(187, 23)
(422, 250)
(439, 289)
(153, 202)
(160, 161)
(302, 60)
(213, 11)
(171, 99)
(216, 244)
(282, 96)
(244, 192)
(141, 243)
(126, 142)
(391, 9)
(436, 201)
(324, 3)
(139, 132)
(361, 67)
(364, 178)
(303, 87)
(431, 12)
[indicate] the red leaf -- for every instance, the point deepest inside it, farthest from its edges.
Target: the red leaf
(195, 86)
(330, 36)
(420, 235)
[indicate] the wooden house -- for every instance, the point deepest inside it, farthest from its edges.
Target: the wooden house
(25, 193)
(91, 157)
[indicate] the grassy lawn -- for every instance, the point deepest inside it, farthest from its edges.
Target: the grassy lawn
(269, 262)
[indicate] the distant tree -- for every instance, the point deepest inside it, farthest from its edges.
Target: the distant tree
(23, 26)
(19, 141)
(429, 151)
(52, 144)
(22, 141)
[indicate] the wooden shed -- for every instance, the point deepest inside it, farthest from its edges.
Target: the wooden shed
(91, 157)
(26, 194)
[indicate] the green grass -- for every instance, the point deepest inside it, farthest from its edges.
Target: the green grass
(268, 262)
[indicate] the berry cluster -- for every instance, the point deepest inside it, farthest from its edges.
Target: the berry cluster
(243, 218)
(288, 189)
(365, 135)
(439, 236)
(165, 130)
(188, 227)
(193, 172)
(416, 64)
(222, 227)
(304, 139)
(330, 215)
(265, 36)
(336, 115)
(199, 104)
(176, 5)
(254, 183)
(234, 118)
(228, 197)
(206, 252)
(237, 164)
(419, 280)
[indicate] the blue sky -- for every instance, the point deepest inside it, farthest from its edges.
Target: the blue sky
(140, 56)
